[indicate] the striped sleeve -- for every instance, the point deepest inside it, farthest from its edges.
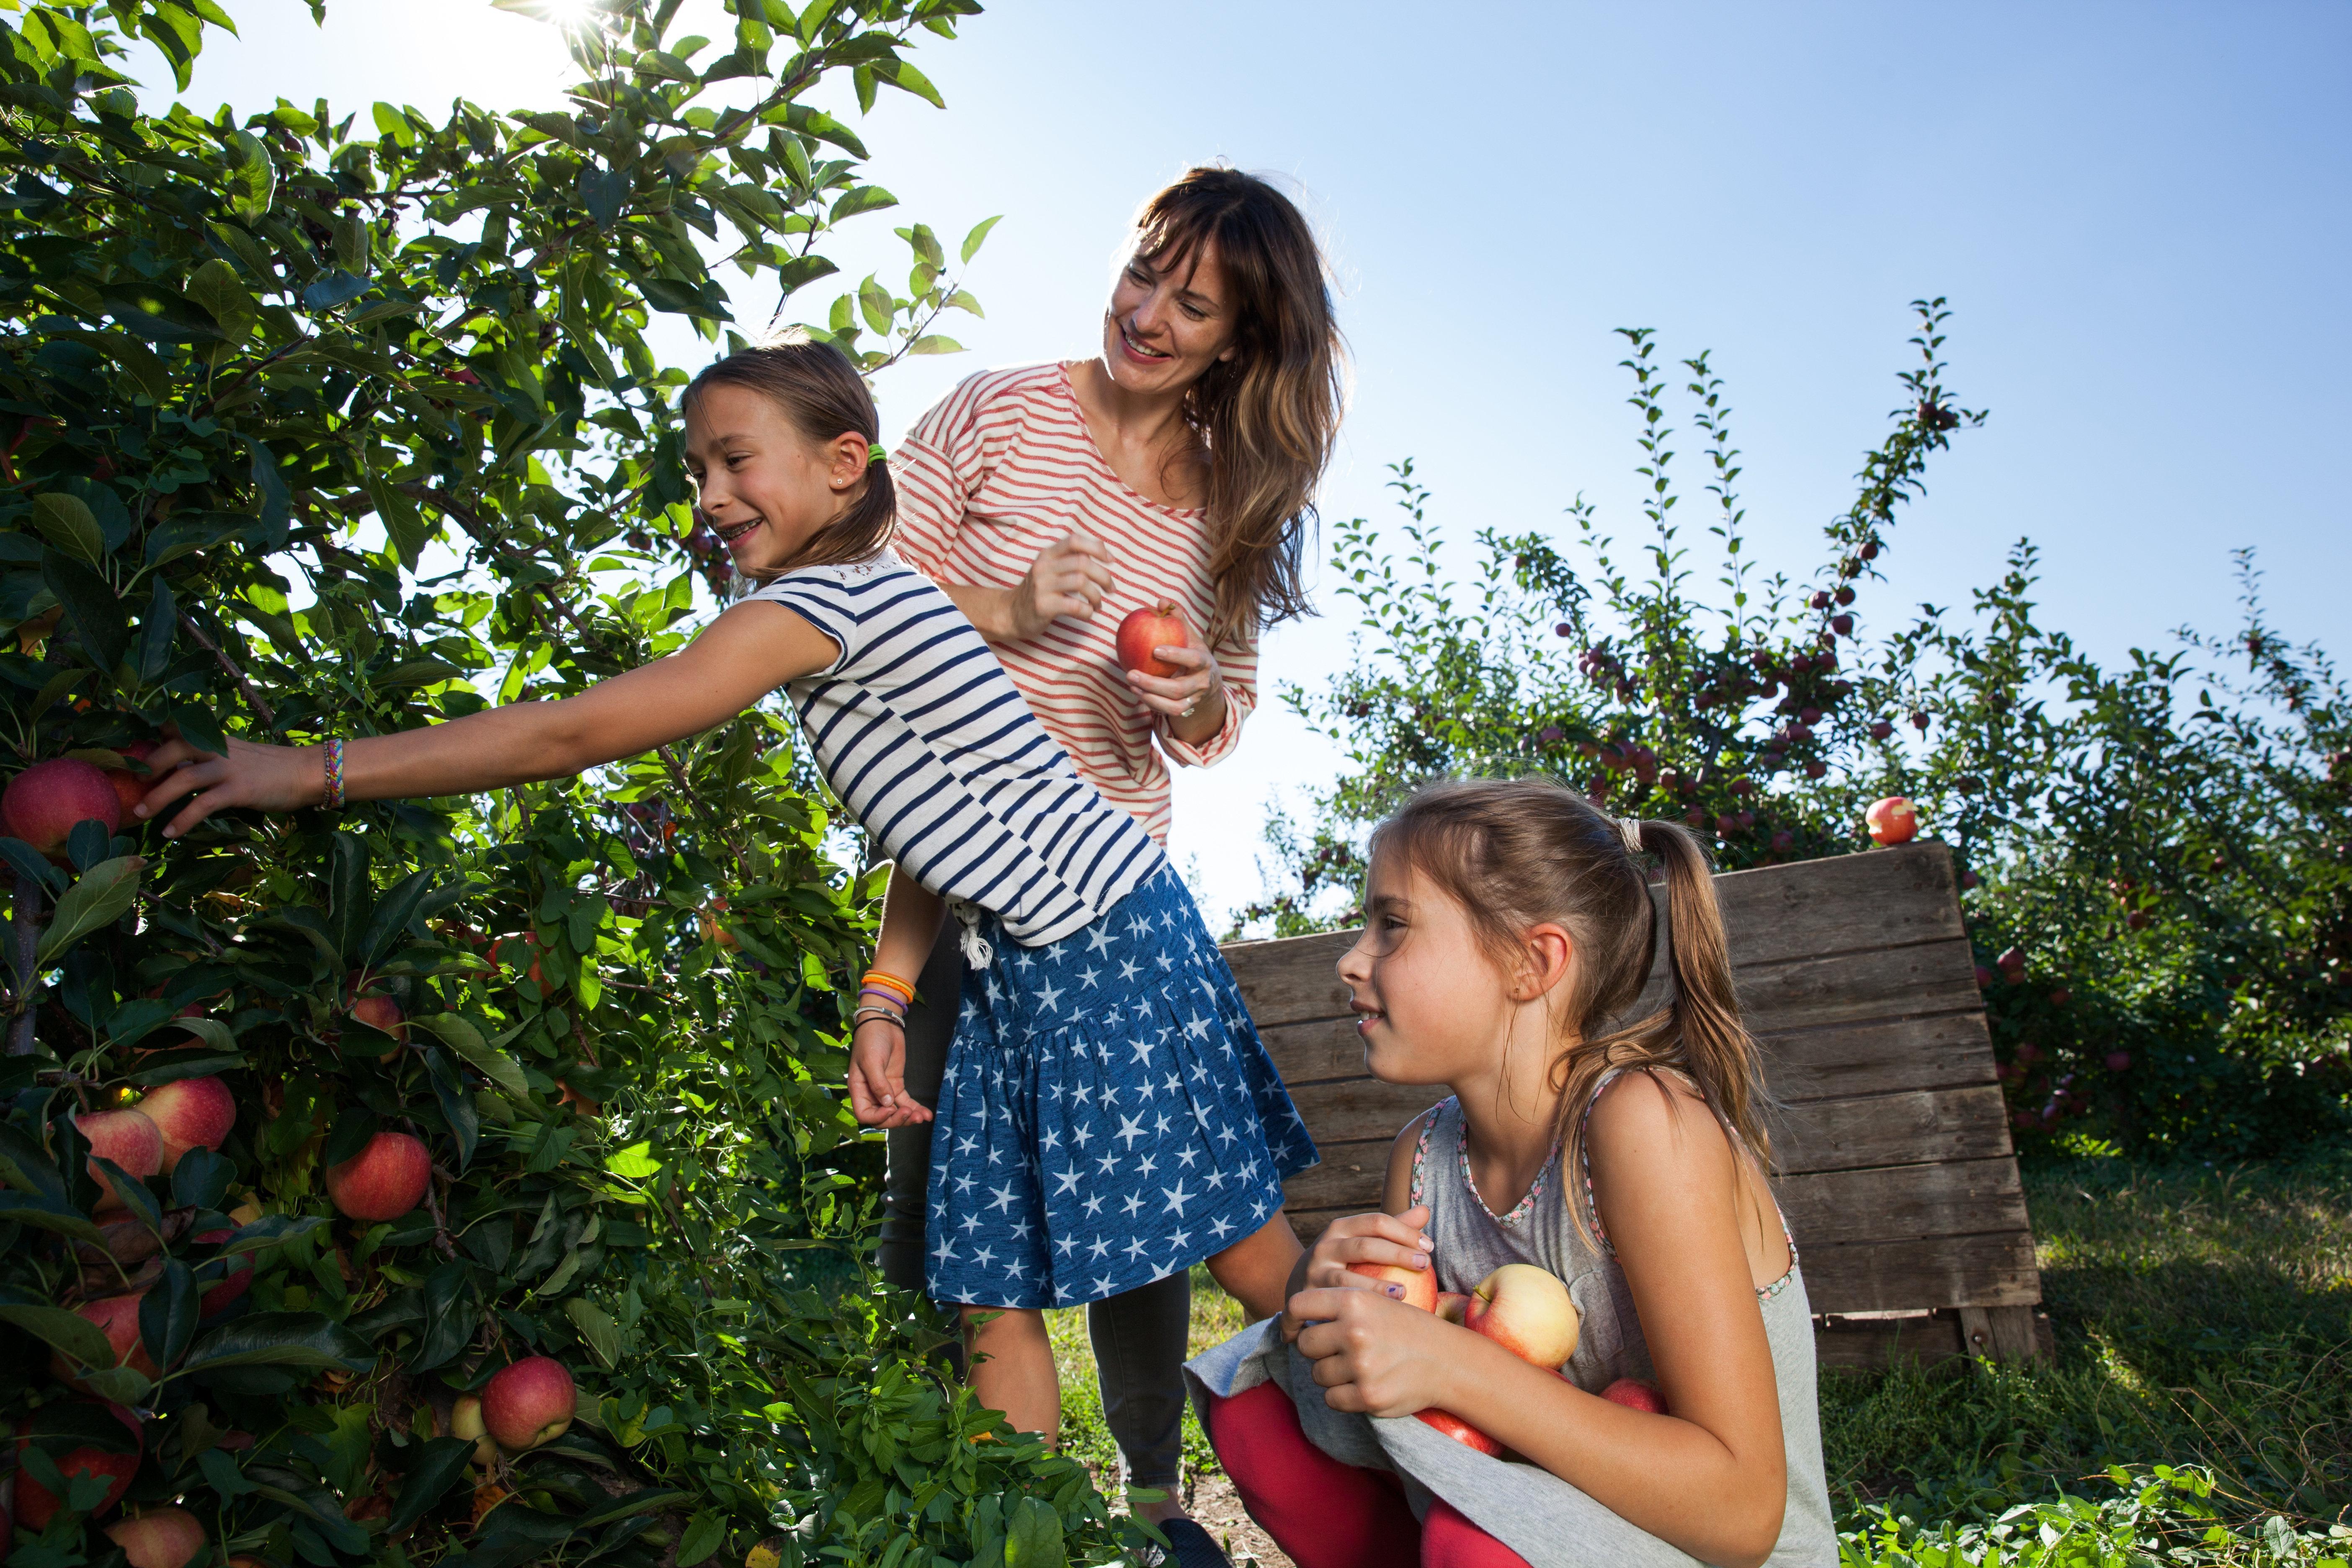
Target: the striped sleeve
(938, 465)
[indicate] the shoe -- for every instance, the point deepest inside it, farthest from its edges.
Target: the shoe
(1189, 1546)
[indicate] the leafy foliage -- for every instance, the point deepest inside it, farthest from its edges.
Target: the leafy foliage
(2159, 888)
(318, 426)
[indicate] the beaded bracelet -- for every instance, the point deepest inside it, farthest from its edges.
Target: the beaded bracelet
(334, 800)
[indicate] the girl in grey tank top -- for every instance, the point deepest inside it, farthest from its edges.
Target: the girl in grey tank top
(1515, 857)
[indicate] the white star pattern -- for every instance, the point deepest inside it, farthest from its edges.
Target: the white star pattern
(1131, 1127)
(1069, 1180)
(1050, 998)
(1128, 969)
(1094, 1205)
(1142, 1049)
(1220, 1226)
(1177, 1198)
(1003, 1195)
(1098, 940)
(1088, 977)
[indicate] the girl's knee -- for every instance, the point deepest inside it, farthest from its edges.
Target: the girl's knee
(1448, 1539)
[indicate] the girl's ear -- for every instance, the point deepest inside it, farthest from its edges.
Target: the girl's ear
(1546, 950)
(846, 458)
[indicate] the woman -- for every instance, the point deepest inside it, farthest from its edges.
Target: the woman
(1178, 466)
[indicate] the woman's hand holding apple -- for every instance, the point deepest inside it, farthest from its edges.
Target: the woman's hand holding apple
(1194, 701)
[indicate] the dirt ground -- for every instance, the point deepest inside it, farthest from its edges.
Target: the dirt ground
(1211, 1500)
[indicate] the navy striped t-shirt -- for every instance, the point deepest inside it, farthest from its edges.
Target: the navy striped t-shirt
(928, 742)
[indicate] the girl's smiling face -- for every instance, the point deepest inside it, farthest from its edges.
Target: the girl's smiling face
(765, 486)
(1431, 1002)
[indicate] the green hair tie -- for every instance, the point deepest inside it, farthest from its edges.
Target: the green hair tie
(874, 454)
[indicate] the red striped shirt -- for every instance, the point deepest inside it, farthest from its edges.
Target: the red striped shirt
(1002, 468)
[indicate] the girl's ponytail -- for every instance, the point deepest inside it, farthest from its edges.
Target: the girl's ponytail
(1513, 853)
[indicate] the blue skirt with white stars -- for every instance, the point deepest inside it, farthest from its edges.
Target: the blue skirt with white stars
(1109, 1114)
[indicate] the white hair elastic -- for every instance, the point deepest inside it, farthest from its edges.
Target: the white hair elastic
(1630, 830)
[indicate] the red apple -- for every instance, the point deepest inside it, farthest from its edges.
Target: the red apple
(1893, 820)
(382, 1181)
(160, 1537)
(1452, 1306)
(233, 1284)
(130, 787)
(36, 1505)
(45, 802)
(1420, 1284)
(1160, 626)
(130, 1139)
(1524, 1310)
(1461, 1431)
(1634, 1395)
(190, 1113)
(466, 1421)
(117, 1317)
(531, 944)
(381, 1014)
(530, 1403)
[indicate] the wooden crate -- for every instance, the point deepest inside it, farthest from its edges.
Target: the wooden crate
(1896, 1168)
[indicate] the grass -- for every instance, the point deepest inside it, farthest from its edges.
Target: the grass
(2198, 1409)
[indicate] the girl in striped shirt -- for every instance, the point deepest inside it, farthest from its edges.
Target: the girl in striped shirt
(1112, 1115)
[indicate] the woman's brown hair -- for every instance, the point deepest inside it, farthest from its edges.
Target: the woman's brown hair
(817, 389)
(1266, 419)
(1515, 853)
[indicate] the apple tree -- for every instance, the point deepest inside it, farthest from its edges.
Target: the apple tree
(462, 1180)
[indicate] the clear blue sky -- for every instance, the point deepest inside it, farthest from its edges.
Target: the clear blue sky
(2139, 212)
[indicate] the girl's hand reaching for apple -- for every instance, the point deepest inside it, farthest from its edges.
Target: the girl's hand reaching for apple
(1396, 1241)
(266, 778)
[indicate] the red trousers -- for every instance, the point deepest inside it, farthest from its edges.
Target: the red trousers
(1327, 1514)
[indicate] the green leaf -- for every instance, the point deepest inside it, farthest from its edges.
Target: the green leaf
(861, 199)
(71, 1332)
(706, 1532)
(934, 343)
(905, 77)
(635, 1162)
(252, 179)
(449, 1318)
(680, 299)
(597, 1329)
(604, 192)
(457, 1106)
(280, 1339)
(98, 616)
(55, 1218)
(216, 287)
(167, 1313)
(461, 1035)
(876, 304)
(979, 235)
(429, 1479)
(271, 1230)
(1033, 1537)
(67, 522)
(91, 904)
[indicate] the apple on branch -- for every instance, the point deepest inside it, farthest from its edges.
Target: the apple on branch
(159, 1538)
(189, 1113)
(45, 802)
(528, 1403)
(130, 1139)
(382, 1181)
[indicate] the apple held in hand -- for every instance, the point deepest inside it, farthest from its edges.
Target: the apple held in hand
(1155, 627)
(530, 1403)
(190, 1113)
(129, 1139)
(1893, 820)
(45, 802)
(1420, 1284)
(382, 1181)
(1524, 1310)
(160, 1537)
(1452, 1306)
(1636, 1394)
(130, 788)
(1461, 1431)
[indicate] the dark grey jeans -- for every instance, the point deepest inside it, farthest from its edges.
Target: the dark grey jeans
(1138, 1338)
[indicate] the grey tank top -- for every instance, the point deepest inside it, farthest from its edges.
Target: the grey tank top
(1471, 1241)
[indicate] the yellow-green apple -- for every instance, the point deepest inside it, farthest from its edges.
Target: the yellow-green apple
(466, 1421)
(1893, 820)
(1461, 1431)
(382, 1181)
(1524, 1310)
(117, 1318)
(36, 1505)
(1420, 1284)
(1147, 631)
(129, 1138)
(190, 1113)
(1636, 1394)
(45, 802)
(528, 1403)
(160, 1537)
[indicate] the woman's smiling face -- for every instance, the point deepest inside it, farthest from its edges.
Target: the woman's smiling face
(1169, 321)
(764, 487)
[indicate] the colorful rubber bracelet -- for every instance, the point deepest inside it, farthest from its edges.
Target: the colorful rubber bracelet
(887, 995)
(891, 983)
(334, 798)
(884, 1013)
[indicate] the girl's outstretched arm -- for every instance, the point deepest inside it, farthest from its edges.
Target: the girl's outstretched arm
(742, 657)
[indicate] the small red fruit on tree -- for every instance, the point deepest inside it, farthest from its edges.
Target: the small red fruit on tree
(117, 1317)
(46, 800)
(236, 1280)
(1145, 630)
(528, 1403)
(190, 1113)
(382, 1181)
(1893, 820)
(116, 1459)
(130, 1140)
(160, 1537)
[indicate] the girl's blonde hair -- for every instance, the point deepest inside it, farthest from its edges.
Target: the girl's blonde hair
(1519, 852)
(1265, 419)
(817, 389)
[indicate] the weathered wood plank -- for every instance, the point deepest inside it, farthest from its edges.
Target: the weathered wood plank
(1350, 1110)
(1292, 980)
(1348, 1179)
(1842, 1061)
(1995, 1271)
(1869, 1343)
(1840, 1208)
(1936, 977)
(1913, 1129)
